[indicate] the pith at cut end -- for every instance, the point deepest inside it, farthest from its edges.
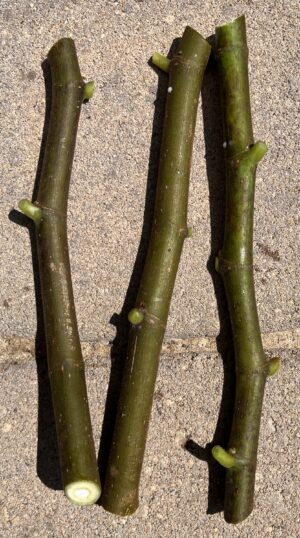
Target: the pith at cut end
(82, 492)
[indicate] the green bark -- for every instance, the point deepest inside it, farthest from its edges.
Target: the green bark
(149, 317)
(49, 212)
(235, 264)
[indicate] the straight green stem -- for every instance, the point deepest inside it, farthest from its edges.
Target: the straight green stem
(186, 68)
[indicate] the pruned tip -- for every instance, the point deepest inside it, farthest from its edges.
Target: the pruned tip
(273, 366)
(135, 316)
(160, 61)
(257, 151)
(223, 457)
(236, 21)
(88, 90)
(30, 210)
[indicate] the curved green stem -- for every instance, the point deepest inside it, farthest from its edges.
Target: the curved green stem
(65, 364)
(120, 494)
(235, 265)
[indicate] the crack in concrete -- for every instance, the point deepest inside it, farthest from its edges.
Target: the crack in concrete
(19, 351)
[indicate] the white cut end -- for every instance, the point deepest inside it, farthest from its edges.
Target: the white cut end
(82, 492)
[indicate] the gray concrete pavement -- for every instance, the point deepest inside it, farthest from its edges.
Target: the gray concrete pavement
(109, 186)
(107, 198)
(175, 484)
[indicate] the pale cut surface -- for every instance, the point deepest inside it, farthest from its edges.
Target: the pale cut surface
(82, 492)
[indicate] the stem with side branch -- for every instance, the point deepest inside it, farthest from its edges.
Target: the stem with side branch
(235, 264)
(49, 212)
(149, 317)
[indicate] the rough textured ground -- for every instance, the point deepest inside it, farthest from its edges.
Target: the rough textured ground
(111, 197)
(175, 483)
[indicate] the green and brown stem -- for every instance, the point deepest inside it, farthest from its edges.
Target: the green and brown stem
(234, 263)
(49, 212)
(149, 317)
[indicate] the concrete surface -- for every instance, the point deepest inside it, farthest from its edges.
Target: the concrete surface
(175, 483)
(114, 173)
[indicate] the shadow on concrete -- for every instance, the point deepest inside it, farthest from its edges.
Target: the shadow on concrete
(48, 469)
(120, 321)
(215, 167)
